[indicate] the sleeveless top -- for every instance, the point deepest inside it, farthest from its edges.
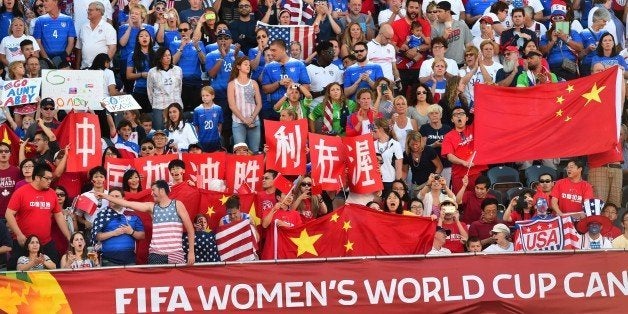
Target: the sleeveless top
(402, 134)
(167, 232)
(244, 99)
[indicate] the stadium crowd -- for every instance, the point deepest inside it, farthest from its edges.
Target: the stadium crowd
(206, 75)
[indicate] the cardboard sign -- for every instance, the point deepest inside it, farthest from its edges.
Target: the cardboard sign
(72, 89)
(121, 103)
(20, 92)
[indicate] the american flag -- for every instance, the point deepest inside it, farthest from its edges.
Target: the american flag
(167, 234)
(205, 250)
(236, 241)
(298, 16)
(289, 33)
(557, 233)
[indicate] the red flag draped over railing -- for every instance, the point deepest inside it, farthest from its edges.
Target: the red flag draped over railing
(82, 132)
(565, 119)
(364, 176)
(286, 142)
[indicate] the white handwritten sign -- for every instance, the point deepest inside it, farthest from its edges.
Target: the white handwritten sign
(19, 92)
(73, 89)
(121, 103)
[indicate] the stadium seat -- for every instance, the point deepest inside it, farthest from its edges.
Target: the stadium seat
(498, 195)
(533, 172)
(503, 178)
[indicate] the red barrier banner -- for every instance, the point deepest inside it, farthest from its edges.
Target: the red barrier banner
(580, 282)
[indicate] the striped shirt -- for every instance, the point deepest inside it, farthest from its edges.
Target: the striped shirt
(244, 100)
(167, 233)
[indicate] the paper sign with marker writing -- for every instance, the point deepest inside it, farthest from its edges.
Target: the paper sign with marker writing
(121, 103)
(19, 92)
(72, 89)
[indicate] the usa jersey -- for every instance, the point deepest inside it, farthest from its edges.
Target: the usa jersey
(125, 51)
(352, 74)
(219, 83)
(207, 121)
(54, 33)
(275, 71)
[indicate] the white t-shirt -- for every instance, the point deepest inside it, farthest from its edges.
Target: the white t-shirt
(96, 41)
(109, 80)
(384, 55)
(388, 150)
(456, 7)
(321, 77)
(10, 47)
(426, 67)
(443, 251)
(495, 248)
(384, 15)
(80, 12)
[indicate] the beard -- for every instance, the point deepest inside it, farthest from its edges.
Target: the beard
(510, 65)
(360, 60)
(412, 15)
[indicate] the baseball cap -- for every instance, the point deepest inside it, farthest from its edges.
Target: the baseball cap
(487, 19)
(446, 6)
(162, 132)
(47, 102)
(240, 145)
(511, 49)
(501, 228)
(223, 32)
(443, 230)
(533, 53)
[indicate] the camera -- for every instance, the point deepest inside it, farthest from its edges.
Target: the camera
(437, 177)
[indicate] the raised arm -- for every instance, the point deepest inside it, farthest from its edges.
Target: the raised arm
(139, 206)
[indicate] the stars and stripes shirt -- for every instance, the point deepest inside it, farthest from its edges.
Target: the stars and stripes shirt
(167, 233)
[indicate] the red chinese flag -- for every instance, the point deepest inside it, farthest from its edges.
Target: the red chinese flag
(249, 169)
(573, 118)
(82, 132)
(212, 206)
(86, 203)
(153, 168)
(283, 184)
(205, 167)
(9, 137)
(141, 251)
(364, 176)
(353, 230)
(328, 159)
(188, 195)
(286, 146)
(116, 167)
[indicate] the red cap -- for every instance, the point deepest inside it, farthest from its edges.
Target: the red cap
(511, 49)
(487, 19)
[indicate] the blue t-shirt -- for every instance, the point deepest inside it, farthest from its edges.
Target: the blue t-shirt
(54, 33)
(559, 50)
(125, 51)
(610, 61)
(275, 71)
(338, 62)
(189, 62)
(207, 121)
(121, 244)
(219, 83)
(140, 83)
(339, 5)
(262, 62)
(585, 7)
(477, 7)
(5, 22)
(589, 38)
(352, 74)
(123, 17)
(171, 36)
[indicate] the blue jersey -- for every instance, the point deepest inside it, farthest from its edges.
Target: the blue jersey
(171, 36)
(275, 71)
(590, 38)
(477, 7)
(219, 83)
(130, 45)
(262, 62)
(115, 248)
(207, 121)
(352, 74)
(339, 5)
(559, 50)
(140, 83)
(123, 17)
(339, 64)
(610, 61)
(54, 33)
(5, 22)
(189, 62)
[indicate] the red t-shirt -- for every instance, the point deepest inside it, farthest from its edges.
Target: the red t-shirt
(401, 29)
(72, 182)
(290, 216)
(266, 201)
(472, 207)
(571, 195)
(8, 178)
(34, 211)
(454, 243)
(453, 143)
(481, 229)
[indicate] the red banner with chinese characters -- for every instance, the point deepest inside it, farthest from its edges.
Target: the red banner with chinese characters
(364, 176)
(153, 168)
(205, 167)
(116, 167)
(286, 146)
(82, 132)
(580, 282)
(328, 157)
(245, 170)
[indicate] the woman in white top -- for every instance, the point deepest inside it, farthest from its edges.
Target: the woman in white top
(10, 46)
(389, 150)
(432, 195)
(181, 133)
(163, 85)
(77, 256)
(402, 123)
(245, 102)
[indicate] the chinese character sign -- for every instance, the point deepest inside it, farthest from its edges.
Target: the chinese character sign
(364, 176)
(205, 167)
(82, 132)
(327, 154)
(153, 168)
(245, 170)
(116, 167)
(286, 141)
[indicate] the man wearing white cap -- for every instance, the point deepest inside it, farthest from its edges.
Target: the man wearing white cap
(500, 233)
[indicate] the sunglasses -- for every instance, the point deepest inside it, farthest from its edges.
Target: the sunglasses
(432, 12)
(48, 108)
(545, 181)
(421, 93)
(359, 51)
(222, 38)
(469, 55)
(39, 6)
(4, 151)
(145, 148)
(183, 30)
(160, 9)
(61, 194)
(306, 184)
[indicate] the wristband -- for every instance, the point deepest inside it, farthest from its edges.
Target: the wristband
(132, 233)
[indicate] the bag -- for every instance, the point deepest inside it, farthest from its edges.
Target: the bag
(569, 66)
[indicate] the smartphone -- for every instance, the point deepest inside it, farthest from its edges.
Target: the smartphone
(563, 26)
(210, 16)
(384, 87)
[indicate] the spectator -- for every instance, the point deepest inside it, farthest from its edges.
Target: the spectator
(487, 33)
(9, 176)
(352, 35)
(471, 201)
(181, 133)
(323, 71)
(245, 102)
(498, 12)
(96, 176)
(129, 36)
(10, 48)
(147, 148)
(432, 195)
(95, 36)
(421, 160)
(402, 123)
(297, 99)
(401, 188)
(440, 238)
(163, 85)
(544, 187)
(120, 135)
(77, 256)
(338, 105)
(384, 100)
(590, 38)
(192, 15)
(508, 74)
(473, 245)
(362, 74)
(17, 72)
(419, 104)
(55, 33)
(519, 33)
(256, 54)
(46, 145)
(593, 225)
(146, 121)
(394, 12)
(326, 21)
(390, 150)
(308, 204)
(569, 193)
(25, 216)
(189, 54)
(475, 71)
(415, 208)
(208, 121)
(410, 58)
(168, 31)
(615, 26)
(234, 214)
(609, 210)
(561, 44)
(500, 234)
(33, 68)
(435, 131)
(455, 32)
(535, 73)
(361, 121)
(439, 48)
(521, 207)
(483, 227)
(48, 115)
(32, 257)
(449, 218)
(138, 65)
(530, 20)
(374, 205)
(354, 15)
(205, 30)
(26, 170)
(161, 142)
(130, 182)
(169, 217)
(620, 242)
(608, 54)
(281, 214)
(392, 202)
(243, 28)
(382, 52)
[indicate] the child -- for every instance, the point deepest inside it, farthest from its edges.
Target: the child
(208, 121)
(416, 38)
(20, 131)
(146, 120)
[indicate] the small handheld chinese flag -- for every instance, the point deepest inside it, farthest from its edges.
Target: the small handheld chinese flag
(282, 184)
(85, 204)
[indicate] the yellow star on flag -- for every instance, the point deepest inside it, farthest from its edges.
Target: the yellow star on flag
(6, 138)
(347, 225)
(348, 246)
(559, 113)
(334, 217)
(570, 88)
(567, 119)
(210, 211)
(224, 199)
(560, 99)
(305, 243)
(256, 220)
(594, 94)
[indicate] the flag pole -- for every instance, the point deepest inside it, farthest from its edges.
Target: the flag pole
(342, 187)
(275, 239)
(470, 162)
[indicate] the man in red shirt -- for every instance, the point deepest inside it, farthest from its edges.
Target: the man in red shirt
(411, 59)
(482, 228)
(282, 214)
(569, 193)
(267, 198)
(471, 201)
(450, 220)
(9, 175)
(29, 213)
(458, 148)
